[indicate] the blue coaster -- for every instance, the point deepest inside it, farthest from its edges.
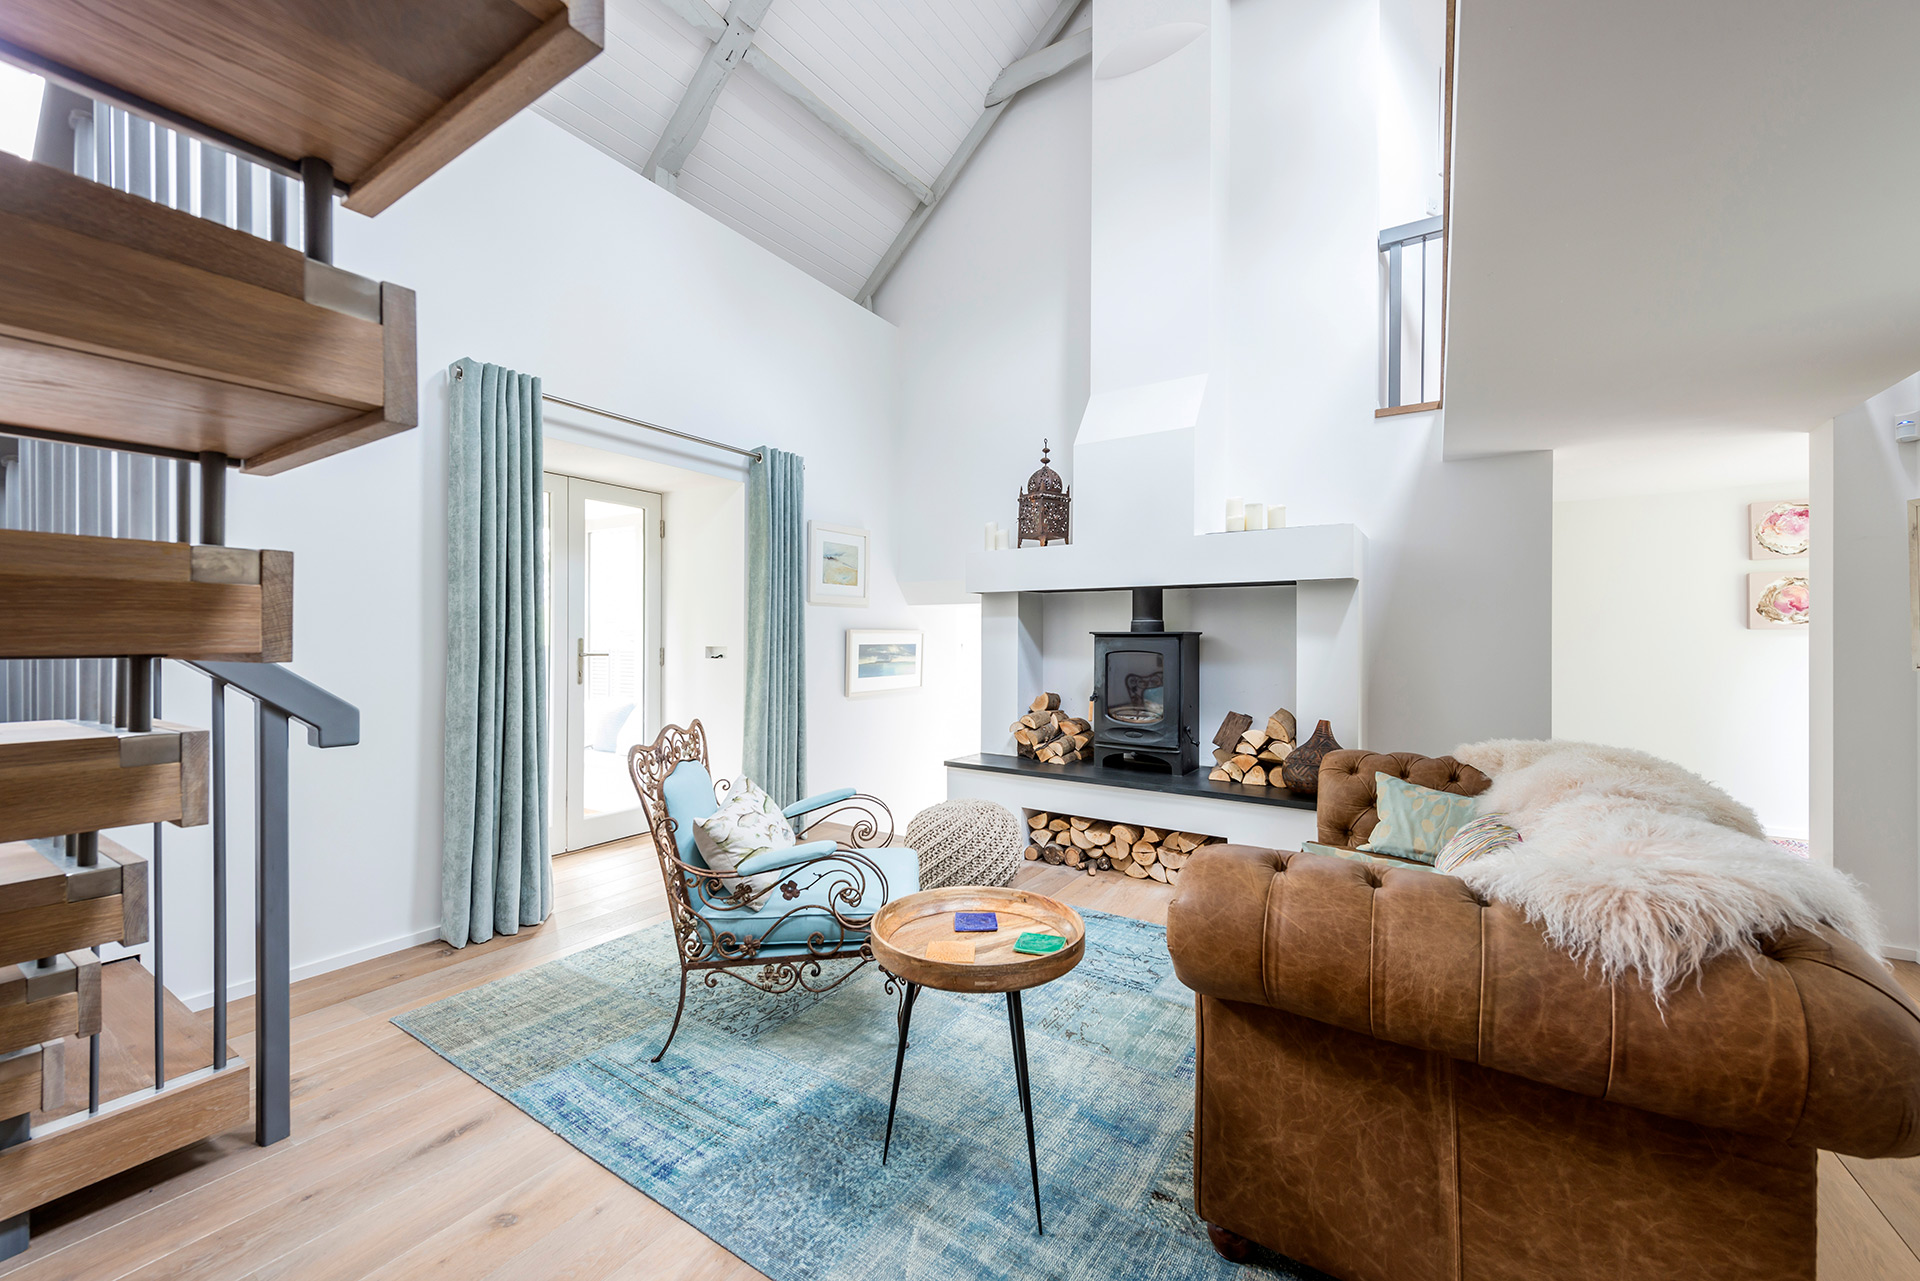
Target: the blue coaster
(975, 922)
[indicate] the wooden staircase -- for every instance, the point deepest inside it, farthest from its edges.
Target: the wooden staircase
(188, 346)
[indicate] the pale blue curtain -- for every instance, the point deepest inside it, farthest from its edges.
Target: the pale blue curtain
(776, 746)
(495, 873)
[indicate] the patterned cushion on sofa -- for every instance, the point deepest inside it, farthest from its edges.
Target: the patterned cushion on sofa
(1415, 822)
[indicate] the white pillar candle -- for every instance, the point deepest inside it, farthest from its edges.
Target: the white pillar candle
(1276, 516)
(1000, 543)
(991, 530)
(1235, 508)
(1235, 524)
(1256, 515)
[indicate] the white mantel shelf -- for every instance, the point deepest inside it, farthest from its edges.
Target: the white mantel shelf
(1304, 553)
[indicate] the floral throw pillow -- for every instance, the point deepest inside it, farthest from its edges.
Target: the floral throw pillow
(747, 823)
(1484, 835)
(1415, 822)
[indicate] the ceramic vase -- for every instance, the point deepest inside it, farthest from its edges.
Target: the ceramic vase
(1301, 770)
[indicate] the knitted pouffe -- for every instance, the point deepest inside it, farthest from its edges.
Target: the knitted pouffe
(966, 842)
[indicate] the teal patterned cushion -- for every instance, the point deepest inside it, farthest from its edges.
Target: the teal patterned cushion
(747, 823)
(1415, 822)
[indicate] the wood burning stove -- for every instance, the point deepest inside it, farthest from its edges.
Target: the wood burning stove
(1146, 692)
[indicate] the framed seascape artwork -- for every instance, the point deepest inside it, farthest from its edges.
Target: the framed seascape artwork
(1778, 531)
(880, 661)
(837, 564)
(1776, 600)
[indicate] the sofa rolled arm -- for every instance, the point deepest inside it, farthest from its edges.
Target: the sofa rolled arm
(1804, 1038)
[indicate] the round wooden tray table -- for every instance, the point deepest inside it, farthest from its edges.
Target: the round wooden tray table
(905, 930)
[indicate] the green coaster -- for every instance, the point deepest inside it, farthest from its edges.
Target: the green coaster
(1039, 944)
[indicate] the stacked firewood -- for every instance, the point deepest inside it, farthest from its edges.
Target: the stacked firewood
(1046, 733)
(1095, 845)
(1243, 754)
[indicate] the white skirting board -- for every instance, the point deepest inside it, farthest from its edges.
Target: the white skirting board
(244, 987)
(1241, 822)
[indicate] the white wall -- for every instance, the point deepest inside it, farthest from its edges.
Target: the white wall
(534, 251)
(992, 309)
(1651, 648)
(1866, 699)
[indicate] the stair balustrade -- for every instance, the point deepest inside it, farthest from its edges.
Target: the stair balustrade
(1412, 317)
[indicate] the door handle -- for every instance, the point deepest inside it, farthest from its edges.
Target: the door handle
(580, 663)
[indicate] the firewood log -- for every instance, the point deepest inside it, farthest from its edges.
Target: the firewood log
(1219, 776)
(1104, 863)
(1136, 871)
(1173, 878)
(1074, 725)
(1024, 737)
(1046, 703)
(1079, 824)
(1150, 836)
(1231, 729)
(1276, 752)
(1039, 821)
(1080, 741)
(1173, 862)
(1075, 858)
(1100, 833)
(1233, 771)
(1054, 855)
(1145, 854)
(1125, 833)
(1081, 840)
(1253, 740)
(1282, 726)
(1016, 727)
(1058, 825)
(1245, 762)
(1024, 750)
(1158, 873)
(1221, 755)
(1046, 732)
(1033, 853)
(1255, 777)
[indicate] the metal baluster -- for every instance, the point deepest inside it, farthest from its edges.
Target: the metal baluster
(272, 1036)
(243, 194)
(156, 888)
(219, 765)
(277, 209)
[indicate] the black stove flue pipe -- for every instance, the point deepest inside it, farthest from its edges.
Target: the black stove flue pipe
(1148, 612)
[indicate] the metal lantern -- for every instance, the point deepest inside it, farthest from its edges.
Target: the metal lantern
(1046, 506)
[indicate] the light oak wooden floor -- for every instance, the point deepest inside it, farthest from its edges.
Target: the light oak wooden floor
(401, 1166)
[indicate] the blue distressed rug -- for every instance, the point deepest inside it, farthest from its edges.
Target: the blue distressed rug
(762, 1126)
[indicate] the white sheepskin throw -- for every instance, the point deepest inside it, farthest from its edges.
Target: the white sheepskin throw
(1629, 862)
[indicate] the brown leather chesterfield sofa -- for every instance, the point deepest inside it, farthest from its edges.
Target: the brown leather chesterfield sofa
(1398, 1082)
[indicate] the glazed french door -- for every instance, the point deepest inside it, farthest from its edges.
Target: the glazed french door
(608, 652)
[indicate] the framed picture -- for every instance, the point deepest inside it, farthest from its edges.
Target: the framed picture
(1778, 531)
(837, 564)
(880, 661)
(1777, 600)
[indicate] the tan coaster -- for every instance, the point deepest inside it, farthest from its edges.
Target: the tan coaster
(957, 951)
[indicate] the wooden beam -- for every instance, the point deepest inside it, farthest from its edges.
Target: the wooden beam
(60, 776)
(83, 1149)
(33, 1079)
(1048, 33)
(690, 118)
(783, 80)
(1023, 73)
(562, 45)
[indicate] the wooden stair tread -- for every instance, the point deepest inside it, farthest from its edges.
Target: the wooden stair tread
(126, 1041)
(58, 777)
(122, 320)
(33, 1079)
(80, 596)
(385, 93)
(70, 1149)
(39, 1005)
(54, 905)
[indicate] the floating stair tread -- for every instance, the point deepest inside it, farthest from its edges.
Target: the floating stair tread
(386, 94)
(127, 322)
(33, 1079)
(126, 1040)
(52, 904)
(38, 1005)
(78, 596)
(58, 777)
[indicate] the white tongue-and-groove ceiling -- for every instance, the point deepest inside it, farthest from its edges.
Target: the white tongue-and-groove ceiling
(910, 75)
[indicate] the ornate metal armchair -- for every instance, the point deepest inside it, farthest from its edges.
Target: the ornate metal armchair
(774, 938)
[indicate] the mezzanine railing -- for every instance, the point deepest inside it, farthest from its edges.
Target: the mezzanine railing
(1411, 316)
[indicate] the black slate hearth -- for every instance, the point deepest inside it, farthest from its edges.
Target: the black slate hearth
(1194, 784)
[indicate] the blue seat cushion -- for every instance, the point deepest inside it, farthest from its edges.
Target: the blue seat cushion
(689, 795)
(900, 866)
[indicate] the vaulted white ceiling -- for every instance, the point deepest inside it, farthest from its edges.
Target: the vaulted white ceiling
(911, 76)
